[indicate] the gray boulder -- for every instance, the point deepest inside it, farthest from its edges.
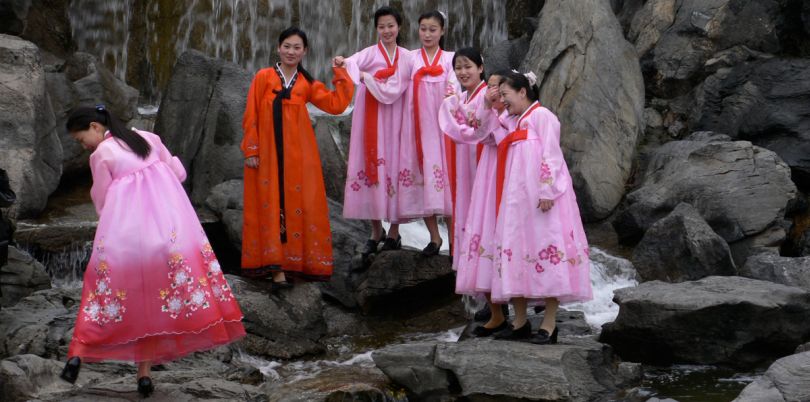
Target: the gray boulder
(404, 280)
(332, 134)
(577, 369)
(507, 55)
(787, 379)
(675, 38)
(589, 75)
(286, 325)
(682, 247)
(39, 324)
(30, 150)
(740, 190)
(22, 276)
(717, 320)
(772, 267)
(761, 101)
(200, 120)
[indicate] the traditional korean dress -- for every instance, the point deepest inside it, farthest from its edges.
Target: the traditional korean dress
(153, 290)
(537, 254)
(373, 166)
(424, 187)
(461, 155)
(286, 220)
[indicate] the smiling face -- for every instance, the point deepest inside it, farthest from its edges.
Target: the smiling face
(430, 32)
(292, 50)
(516, 102)
(468, 74)
(90, 138)
(387, 29)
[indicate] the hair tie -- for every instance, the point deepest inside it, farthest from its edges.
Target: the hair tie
(531, 77)
(100, 108)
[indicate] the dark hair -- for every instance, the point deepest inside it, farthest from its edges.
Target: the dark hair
(385, 10)
(518, 81)
(472, 54)
(295, 31)
(501, 73)
(81, 117)
(439, 17)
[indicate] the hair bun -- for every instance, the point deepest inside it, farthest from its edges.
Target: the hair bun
(531, 77)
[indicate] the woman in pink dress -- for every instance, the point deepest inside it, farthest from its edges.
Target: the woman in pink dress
(382, 75)
(473, 259)
(540, 250)
(153, 290)
(423, 182)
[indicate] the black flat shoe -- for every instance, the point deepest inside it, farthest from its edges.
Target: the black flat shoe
(512, 334)
(543, 338)
(371, 246)
(71, 371)
(431, 249)
(283, 285)
(392, 244)
(145, 386)
(482, 331)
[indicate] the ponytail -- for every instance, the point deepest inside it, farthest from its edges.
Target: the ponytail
(81, 118)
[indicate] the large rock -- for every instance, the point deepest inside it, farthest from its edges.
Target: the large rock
(716, 320)
(22, 276)
(675, 38)
(39, 324)
(740, 190)
(682, 247)
(762, 101)
(589, 75)
(332, 134)
(200, 120)
(507, 55)
(774, 268)
(787, 379)
(404, 280)
(577, 369)
(286, 325)
(30, 150)
(49, 26)
(30, 377)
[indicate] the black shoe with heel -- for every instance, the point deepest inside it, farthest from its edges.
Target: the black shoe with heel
(543, 338)
(513, 334)
(145, 386)
(392, 244)
(371, 246)
(432, 249)
(482, 331)
(71, 371)
(485, 314)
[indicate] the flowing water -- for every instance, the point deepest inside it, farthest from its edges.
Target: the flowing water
(140, 40)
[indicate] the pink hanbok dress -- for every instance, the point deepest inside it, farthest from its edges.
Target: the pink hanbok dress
(424, 187)
(537, 254)
(153, 289)
(374, 145)
(461, 154)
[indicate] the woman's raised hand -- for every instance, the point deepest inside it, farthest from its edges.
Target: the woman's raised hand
(339, 61)
(252, 162)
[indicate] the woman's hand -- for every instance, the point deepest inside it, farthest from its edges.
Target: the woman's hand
(491, 96)
(339, 62)
(545, 205)
(252, 162)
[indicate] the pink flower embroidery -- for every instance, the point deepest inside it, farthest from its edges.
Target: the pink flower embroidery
(405, 178)
(554, 259)
(545, 173)
(380, 162)
(361, 175)
(552, 249)
(543, 254)
(475, 243)
(538, 268)
(355, 186)
(508, 253)
(390, 187)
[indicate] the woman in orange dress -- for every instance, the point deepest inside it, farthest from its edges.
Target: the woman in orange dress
(286, 220)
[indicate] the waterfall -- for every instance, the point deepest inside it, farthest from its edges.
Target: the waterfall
(141, 40)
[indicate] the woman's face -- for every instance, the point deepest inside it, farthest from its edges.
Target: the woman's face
(515, 102)
(90, 138)
(493, 82)
(387, 29)
(292, 50)
(430, 32)
(468, 74)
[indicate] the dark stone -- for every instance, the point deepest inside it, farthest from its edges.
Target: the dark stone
(682, 247)
(719, 320)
